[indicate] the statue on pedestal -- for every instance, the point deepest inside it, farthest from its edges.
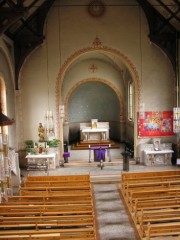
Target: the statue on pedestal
(41, 131)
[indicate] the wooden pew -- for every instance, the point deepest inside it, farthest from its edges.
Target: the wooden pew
(51, 199)
(163, 229)
(40, 211)
(62, 184)
(149, 185)
(58, 205)
(52, 190)
(157, 216)
(154, 175)
(47, 219)
(69, 233)
(140, 204)
(153, 193)
(153, 200)
(47, 236)
(66, 178)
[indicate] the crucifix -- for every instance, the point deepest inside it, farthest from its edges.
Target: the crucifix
(93, 68)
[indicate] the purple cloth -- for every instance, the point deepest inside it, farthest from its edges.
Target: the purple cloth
(66, 154)
(100, 153)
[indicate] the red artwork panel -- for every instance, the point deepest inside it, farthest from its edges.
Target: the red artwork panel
(155, 124)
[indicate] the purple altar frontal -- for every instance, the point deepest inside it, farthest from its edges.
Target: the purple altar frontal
(66, 154)
(99, 152)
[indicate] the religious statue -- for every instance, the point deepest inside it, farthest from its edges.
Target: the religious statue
(41, 131)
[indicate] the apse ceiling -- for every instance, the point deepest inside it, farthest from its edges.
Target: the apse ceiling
(23, 22)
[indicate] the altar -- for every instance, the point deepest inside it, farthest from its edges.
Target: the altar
(41, 161)
(94, 131)
(152, 157)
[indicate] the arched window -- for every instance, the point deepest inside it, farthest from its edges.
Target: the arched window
(130, 101)
(3, 102)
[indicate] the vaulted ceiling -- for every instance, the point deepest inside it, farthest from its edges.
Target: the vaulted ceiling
(23, 22)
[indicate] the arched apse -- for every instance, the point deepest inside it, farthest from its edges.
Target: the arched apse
(93, 100)
(111, 53)
(115, 58)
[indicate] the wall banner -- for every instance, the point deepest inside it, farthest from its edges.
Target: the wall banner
(155, 124)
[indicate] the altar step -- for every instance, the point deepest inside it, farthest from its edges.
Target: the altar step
(85, 163)
(106, 178)
(84, 145)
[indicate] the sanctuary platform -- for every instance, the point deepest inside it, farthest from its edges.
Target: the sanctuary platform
(84, 145)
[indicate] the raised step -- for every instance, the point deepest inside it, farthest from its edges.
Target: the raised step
(105, 178)
(86, 163)
(85, 144)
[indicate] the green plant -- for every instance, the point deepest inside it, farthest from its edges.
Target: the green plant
(53, 143)
(29, 143)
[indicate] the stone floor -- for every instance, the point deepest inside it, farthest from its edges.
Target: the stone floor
(113, 222)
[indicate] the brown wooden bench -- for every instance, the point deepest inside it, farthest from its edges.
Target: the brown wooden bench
(47, 236)
(41, 210)
(38, 190)
(46, 224)
(69, 233)
(36, 199)
(61, 205)
(163, 229)
(154, 204)
(66, 178)
(153, 193)
(153, 199)
(154, 175)
(150, 185)
(157, 216)
(78, 184)
(47, 219)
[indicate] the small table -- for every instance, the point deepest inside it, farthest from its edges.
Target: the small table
(41, 161)
(103, 148)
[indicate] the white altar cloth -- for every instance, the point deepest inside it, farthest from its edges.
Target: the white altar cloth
(94, 130)
(95, 134)
(50, 158)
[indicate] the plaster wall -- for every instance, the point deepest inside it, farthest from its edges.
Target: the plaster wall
(69, 29)
(81, 72)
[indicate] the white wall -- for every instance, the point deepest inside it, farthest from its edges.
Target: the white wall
(70, 29)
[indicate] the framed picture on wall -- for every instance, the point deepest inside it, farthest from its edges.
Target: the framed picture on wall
(155, 124)
(157, 144)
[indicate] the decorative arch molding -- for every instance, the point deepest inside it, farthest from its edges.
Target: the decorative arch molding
(95, 48)
(94, 80)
